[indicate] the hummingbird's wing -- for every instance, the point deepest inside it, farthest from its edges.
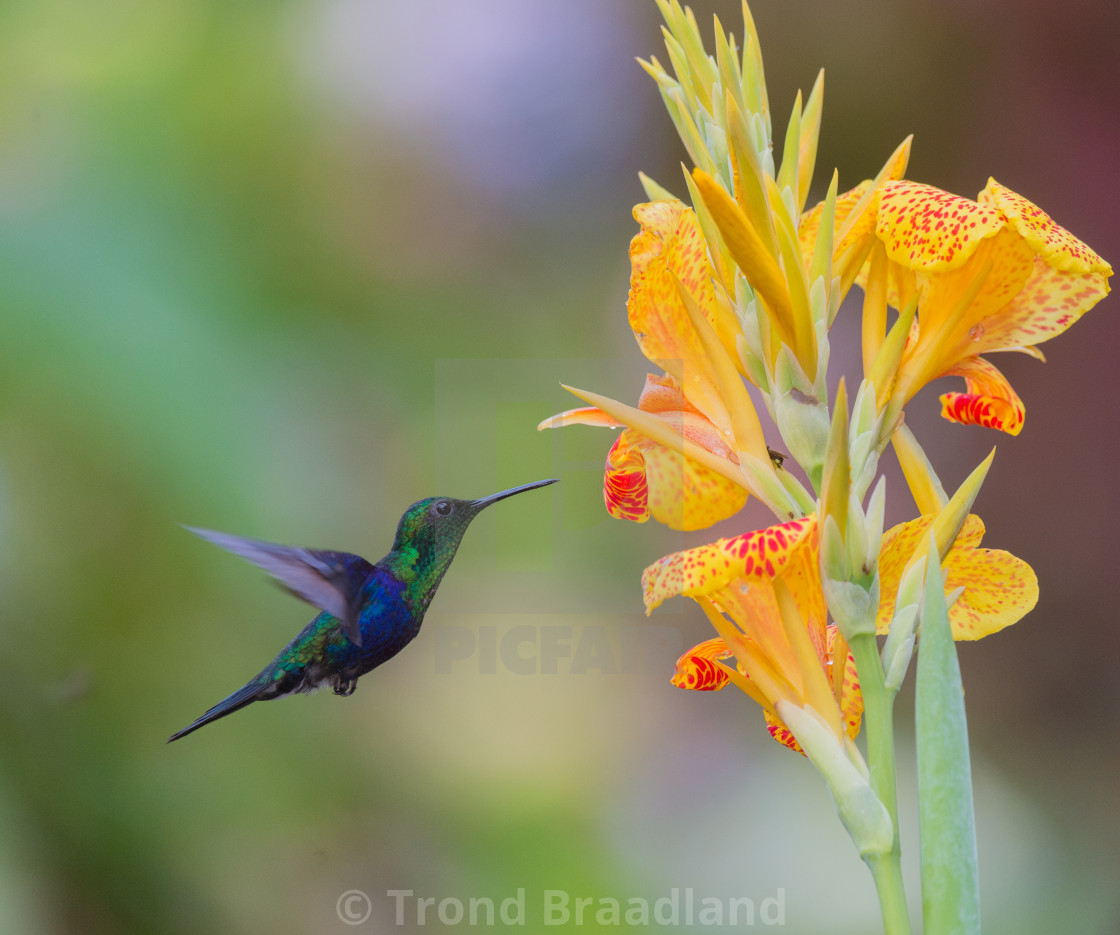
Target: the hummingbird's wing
(331, 581)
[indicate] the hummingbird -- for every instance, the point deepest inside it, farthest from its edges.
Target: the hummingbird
(368, 612)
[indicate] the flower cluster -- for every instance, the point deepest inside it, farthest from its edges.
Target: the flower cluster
(734, 291)
(745, 285)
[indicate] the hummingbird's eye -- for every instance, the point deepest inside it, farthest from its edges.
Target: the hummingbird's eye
(443, 508)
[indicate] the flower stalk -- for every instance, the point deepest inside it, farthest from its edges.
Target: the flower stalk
(734, 292)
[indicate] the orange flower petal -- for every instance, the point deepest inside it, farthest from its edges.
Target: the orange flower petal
(585, 415)
(851, 698)
(988, 400)
(1050, 240)
(925, 228)
(760, 554)
(754, 608)
(700, 669)
(663, 394)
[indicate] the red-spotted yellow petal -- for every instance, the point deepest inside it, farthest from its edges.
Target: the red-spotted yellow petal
(701, 668)
(848, 690)
(762, 553)
(855, 213)
(999, 588)
(988, 399)
(659, 220)
(929, 229)
(644, 479)
(782, 734)
(955, 306)
(1049, 302)
(994, 275)
(899, 545)
(1056, 245)
(671, 248)
(686, 495)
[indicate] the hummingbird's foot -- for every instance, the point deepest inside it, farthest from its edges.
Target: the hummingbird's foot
(345, 687)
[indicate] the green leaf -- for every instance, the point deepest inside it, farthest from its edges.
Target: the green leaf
(950, 886)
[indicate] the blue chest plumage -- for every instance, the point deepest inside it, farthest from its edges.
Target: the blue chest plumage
(322, 655)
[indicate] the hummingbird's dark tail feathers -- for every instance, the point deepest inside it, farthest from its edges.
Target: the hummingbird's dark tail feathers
(254, 691)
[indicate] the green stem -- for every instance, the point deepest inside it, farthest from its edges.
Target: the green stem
(887, 871)
(878, 719)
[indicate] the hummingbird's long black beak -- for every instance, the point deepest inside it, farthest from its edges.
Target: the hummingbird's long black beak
(495, 497)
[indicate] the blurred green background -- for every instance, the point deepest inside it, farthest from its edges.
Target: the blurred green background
(281, 269)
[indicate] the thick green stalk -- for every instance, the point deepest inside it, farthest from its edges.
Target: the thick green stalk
(878, 720)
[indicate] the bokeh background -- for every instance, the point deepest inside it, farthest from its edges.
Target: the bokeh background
(282, 269)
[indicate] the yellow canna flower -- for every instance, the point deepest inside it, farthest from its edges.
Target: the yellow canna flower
(682, 325)
(762, 592)
(996, 274)
(669, 258)
(681, 457)
(645, 478)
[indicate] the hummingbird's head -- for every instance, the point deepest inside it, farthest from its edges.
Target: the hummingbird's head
(431, 529)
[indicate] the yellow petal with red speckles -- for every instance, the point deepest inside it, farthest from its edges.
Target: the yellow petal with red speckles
(659, 220)
(671, 247)
(1049, 302)
(900, 544)
(782, 734)
(848, 690)
(929, 229)
(995, 274)
(1049, 239)
(999, 589)
(762, 553)
(674, 227)
(988, 399)
(701, 668)
(643, 478)
(685, 495)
